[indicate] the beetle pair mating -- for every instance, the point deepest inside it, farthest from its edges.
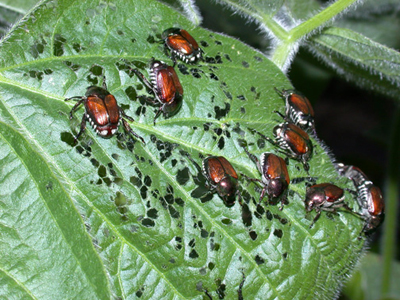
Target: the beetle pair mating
(291, 136)
(369, 197)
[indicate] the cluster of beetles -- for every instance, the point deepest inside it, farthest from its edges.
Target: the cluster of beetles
(291, 138)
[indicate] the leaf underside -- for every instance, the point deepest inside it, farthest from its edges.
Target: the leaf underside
(115, 218)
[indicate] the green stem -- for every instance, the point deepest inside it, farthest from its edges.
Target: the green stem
(288, 41)
(319, 19)
(389, 235)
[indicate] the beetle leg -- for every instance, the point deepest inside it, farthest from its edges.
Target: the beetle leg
(268, 139)
(253, 158)
(279, 92)
(125, 115)
(157, 115)
(129, 129)
(83, 127)
(315, 219)
(144, 79)
(262, 195)
(76, 106)
(280, 114)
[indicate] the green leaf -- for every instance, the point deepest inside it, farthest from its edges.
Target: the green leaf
(359, 59)
(366, 280)
(18, 6)
(116, 217)
(376, 20)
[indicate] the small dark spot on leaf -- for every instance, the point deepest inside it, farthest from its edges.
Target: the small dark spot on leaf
(218, 42)
(148, 222)
(228, 57)
(195, 73)
(58, 45)
(151, 39)
(120, 32)
(102, 172)
(285, 255)
(136, 181)
(152, 213)
(203, 271)
(221, 290)
(96, 70)
(213, 76)
(228, 95)
(204, 44)
(180, 202)
(49, 186)
(246, 215)
(211, 265)
(242, 110)
(183, 69)
(269, 215)
(218, 59)
(226, 221)
(77, 47)
(260, 143)
(253, 235)
(183, 176)
(173, 212)
(221, 143)
(222, 112)
(210, 60)
(278, 233)
(259, 260)
(215, 247)
(48, 71)
(259, 211)
(147, 180)
(245, 64)
(67, 138)
(258, 58)
(143, 192)
(131, 93)
(204, 233)
(95, 162)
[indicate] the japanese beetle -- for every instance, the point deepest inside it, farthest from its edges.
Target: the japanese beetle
(181, 44)
(369, 197)
(293, 141)
(274, 175)
(102, 111)
(298, 108)
(222, 177)
(165, 86)
(324, 196)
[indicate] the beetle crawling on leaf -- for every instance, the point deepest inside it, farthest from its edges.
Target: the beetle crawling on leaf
(102, 111)
(324, 196)
(222, 177)
(298, 109)
(369, 197)
(293, 141)
(181, 44)
(166, 87)
(274, 175)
